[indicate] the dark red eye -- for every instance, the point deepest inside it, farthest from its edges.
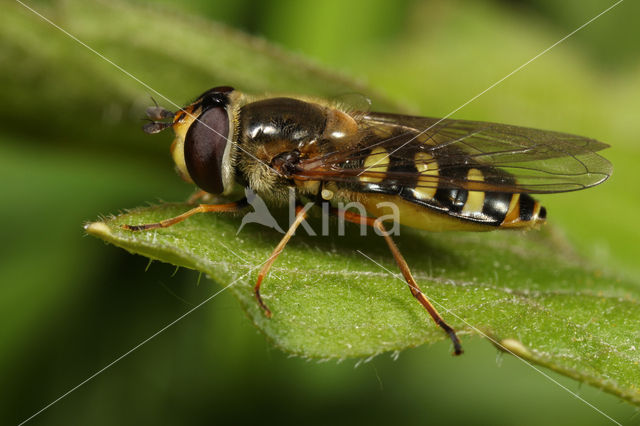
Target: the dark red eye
(204, 148)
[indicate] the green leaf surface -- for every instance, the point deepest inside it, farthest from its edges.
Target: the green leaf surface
(528, 291)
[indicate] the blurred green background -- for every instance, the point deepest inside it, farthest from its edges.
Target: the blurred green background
(71, 149)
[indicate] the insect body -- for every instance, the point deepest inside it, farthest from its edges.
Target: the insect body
(439, 174)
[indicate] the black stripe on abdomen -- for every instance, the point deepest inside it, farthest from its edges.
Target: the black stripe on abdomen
(527, 204)
(451, 199)
(496, 205)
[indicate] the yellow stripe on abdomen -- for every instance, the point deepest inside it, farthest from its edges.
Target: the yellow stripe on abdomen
(475, 199)
(524, 212)
(427, 183)
(375, 165)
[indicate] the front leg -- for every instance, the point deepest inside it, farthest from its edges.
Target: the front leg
(199, 195)
(202, 208)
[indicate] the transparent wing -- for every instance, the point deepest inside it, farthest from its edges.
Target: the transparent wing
(427, 152)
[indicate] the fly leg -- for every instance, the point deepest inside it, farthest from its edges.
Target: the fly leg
(198, 195)
(202, 208)
(301, 215)
(406, 272)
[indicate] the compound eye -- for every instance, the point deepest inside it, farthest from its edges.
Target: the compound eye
(204, 147)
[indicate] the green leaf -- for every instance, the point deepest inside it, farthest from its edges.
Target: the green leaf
(528, 291)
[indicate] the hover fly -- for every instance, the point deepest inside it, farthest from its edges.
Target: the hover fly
(441, 174)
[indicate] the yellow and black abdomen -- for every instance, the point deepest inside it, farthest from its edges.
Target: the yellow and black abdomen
(493, 209)
(434, 198)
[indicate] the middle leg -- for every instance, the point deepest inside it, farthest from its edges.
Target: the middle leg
(301, 215)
